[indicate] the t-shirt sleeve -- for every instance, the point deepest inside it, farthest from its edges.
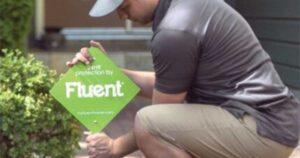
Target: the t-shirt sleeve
(175, 58)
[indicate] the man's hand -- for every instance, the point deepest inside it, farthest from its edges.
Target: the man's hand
(83, 55)
(100, 146)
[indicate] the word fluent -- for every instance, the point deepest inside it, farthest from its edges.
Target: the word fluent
(97, 90)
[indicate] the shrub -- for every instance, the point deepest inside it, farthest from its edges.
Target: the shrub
(32, 123)
(15, 19)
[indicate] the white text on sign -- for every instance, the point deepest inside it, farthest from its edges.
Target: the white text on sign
(97, 90)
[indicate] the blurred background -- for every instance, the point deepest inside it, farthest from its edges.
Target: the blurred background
(59, 28)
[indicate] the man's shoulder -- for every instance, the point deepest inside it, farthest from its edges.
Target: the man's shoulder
(195, 6)
(192, 15)
(169, 42)
(172, 35)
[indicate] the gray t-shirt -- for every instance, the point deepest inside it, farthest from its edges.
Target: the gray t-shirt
(206, 48)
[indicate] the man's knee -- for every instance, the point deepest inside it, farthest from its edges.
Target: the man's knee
(141, 134)
(147, 117)
(142, 117)
(143, 113)
(156, 118)
(142, 128)
(149, 113)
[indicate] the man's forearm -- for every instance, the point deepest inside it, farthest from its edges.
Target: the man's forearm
(145, 80)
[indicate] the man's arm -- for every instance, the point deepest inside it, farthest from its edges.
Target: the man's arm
(162, 98)
(145, 80)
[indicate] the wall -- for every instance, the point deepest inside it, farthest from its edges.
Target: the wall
(74, 13)
(277, 25)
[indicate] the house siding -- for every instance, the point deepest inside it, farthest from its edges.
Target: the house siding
(277, 25)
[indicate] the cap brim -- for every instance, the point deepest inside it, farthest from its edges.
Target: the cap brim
(104, 7)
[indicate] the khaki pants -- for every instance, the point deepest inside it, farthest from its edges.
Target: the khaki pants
(207, 131)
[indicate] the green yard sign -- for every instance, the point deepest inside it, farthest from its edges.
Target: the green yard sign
(94, 93)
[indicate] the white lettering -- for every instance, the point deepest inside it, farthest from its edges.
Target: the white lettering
(98, 90)
(119, 86)
(70, 89)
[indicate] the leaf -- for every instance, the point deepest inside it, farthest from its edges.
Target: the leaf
(29, 117)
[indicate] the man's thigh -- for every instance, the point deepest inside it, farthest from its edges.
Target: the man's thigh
(208, 131)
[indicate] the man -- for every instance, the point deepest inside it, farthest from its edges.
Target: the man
(215, 91)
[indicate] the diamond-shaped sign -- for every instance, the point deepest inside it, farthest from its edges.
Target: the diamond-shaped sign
(94, 93)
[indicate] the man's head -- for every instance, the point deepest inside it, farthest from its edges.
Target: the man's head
(140, 11)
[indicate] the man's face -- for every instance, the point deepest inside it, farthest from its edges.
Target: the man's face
(135, 10)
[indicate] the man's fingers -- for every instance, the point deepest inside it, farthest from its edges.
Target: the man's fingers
(86, 133)
(92, 152)
(95, 44)
(98, 137)
(89, 138)
(69, 64)
(93, 144)
(84, 50)
(98, 45)
(83, 55)
(99, 145)
(86, 54)
(74, 61)
(81, 58)
(92, 137)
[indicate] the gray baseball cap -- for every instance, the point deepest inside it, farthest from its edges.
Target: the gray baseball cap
(104, 7)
